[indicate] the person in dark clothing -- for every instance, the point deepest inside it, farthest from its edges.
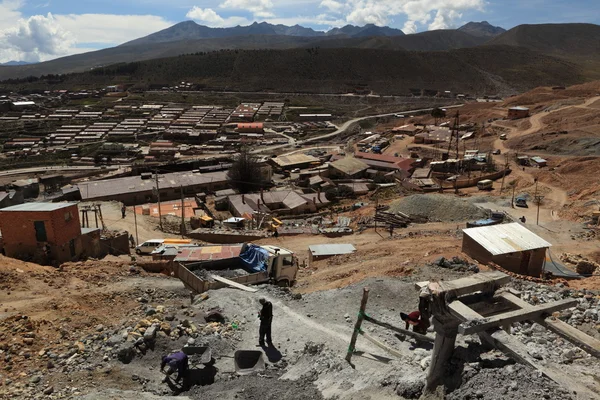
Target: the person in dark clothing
(266, 317)
(123, 210)
(419, 324)
(176, 362)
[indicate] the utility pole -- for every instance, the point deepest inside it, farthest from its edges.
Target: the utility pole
(158, 198)
(512, 203)
(535, 196)
(504, 174)
(137, 240)
(182, 213)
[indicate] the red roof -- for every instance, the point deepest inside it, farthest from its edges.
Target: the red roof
(402, 163)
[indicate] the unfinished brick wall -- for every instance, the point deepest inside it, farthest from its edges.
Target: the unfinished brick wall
(19, 234)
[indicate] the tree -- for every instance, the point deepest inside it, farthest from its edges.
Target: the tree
(245, 174)
(438, 114)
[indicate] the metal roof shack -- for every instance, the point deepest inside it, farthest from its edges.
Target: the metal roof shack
(506, 238)
(511, 246)
(320, 251)
(38, 207)
(295, 160)
(349, 166)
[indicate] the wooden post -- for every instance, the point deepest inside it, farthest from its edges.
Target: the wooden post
(137, 240)
(445, 339)
(158, 199)
(359, 320)
(182, 213)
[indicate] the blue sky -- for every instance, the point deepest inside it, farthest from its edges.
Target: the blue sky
(34, 30)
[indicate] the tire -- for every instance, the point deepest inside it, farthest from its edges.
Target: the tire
(138, 252)
(283, 283)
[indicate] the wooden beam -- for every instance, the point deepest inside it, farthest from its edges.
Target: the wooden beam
(485, 281)
(381, 345)
(533, 312)
(391, 327)
(233, 284)
(573, 335)
(517, 301)
(463, 312)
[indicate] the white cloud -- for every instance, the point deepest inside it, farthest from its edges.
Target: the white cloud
(43, 37)
(209, 17)
(320, 20)
(259, 8)
(110, 28)
(9, 13)
(445, 13)
(332, 5)
(36, 37)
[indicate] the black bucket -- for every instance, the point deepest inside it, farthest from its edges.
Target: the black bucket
(248, 361)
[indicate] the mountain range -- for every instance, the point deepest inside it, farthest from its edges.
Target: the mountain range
(472, 59)
(189, 37)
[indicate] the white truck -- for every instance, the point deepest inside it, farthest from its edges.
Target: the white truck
(281, 269)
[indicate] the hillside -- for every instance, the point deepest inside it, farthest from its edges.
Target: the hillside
(570, 41)
(426, 41)
(481, 29)
(477, 70)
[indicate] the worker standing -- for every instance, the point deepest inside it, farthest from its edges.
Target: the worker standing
(266, 318)
(419, 324)
(177, 362)
(123, 209)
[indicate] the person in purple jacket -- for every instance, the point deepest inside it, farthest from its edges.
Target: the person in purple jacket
(176, 362)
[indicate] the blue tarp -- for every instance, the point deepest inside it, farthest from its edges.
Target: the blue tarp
(254, 258)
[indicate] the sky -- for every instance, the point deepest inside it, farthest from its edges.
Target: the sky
(40, 30)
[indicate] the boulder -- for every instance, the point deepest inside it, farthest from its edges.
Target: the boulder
(126, 352)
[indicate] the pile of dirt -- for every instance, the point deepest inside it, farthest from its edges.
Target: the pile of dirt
(438, 207)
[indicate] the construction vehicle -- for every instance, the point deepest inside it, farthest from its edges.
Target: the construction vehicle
(274, 225)
(280, 268)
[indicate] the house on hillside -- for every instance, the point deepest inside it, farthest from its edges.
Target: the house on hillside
(518, 112)
(511, 246)
(282, 202)
(44, 232)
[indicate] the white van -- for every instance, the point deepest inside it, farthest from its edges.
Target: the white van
(486, 184)
(150, 245)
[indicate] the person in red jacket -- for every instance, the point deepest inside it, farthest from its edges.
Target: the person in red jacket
(419, 324)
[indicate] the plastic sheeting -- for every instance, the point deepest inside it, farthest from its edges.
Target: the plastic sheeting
(255, 258)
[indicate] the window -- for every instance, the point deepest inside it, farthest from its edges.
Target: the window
(40, 231)
(288, 260)
(68, 216)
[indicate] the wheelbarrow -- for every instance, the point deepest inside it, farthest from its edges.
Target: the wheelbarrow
(203, 351)
(248, 361)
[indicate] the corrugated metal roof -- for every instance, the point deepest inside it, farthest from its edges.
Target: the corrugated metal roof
(506, 238)
(294, 159)
(349, 165)
(38, 207)
(331, 249)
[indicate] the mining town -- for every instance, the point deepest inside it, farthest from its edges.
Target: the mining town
(171, 243)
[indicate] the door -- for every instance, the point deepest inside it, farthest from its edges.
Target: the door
(40, 231)
(524, 267)
(72, 247)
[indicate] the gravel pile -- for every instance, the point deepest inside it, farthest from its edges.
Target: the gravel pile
(436, 207)
(510, 382)
(224, 273)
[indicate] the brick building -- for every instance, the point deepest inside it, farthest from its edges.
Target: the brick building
(42, 232)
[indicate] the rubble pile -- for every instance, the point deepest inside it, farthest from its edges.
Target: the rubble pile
(586, 316)
(437, 207)
(513, 381)
(582, 265)
(457, 264)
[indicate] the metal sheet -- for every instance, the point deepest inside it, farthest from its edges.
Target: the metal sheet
(331, 249)
(38, 207)
(506, 238)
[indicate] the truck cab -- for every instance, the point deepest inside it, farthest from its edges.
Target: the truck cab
(282, 265)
